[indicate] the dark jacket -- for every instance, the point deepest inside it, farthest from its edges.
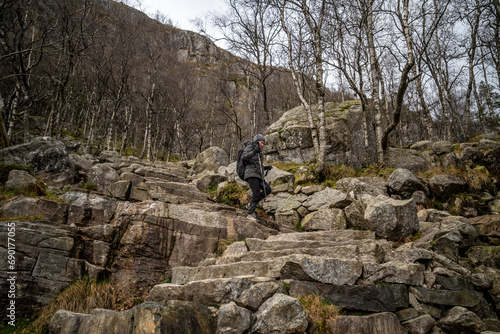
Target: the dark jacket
(252, 155)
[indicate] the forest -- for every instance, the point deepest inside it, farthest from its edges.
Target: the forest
(110, 76)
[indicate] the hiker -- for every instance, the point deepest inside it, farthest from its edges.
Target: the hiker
(254, 173)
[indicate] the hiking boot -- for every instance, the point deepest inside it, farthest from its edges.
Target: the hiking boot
(252, 216)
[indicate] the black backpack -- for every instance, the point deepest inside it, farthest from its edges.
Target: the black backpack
(240, 165)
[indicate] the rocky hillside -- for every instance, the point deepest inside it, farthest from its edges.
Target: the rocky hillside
(405, 254)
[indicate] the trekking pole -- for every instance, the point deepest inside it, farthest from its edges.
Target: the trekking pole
(262, 173)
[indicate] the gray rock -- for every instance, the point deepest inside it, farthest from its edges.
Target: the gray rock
(441, 147)
(465, 298)
(152, 317)
(443, 186)
(491, 160)
(52, 211)
(103, 175)
(273, 202)
(324, 199)
(374, 323)
(421, 325)
(356, 186)
(20, 179)
(132, 177)
(394, 272)
(89, 209)
(280, 181)
(387, 217)
(485, 255)
(253, 297)
(210, 181)
(289, 138)
(405, 183)
(233, 319)
(366, 298)
(471, 154)
(461, 320)
(280, 314)
(47, 158)
(210, 159)
(325, 220)
(407, 159)
(80, 162)
(451, 160)
(120, 189)
(421, 145)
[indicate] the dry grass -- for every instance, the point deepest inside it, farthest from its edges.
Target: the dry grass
(81, 297)
(319, 311)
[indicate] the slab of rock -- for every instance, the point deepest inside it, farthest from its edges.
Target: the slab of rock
(388, 218)
(407, 159)
(280, 180)
(120, 189)
(210, 181)
(52, 211)
(368, 298)
(88, 209)
(151, 317)
(81, 162)
(280, 313)
(374, 323)
(210, 159)
(103, 175)
(443, 186)
(394, 272)
(488, 225)
(356, 186)
(465, 298)
(324, 199)
(325, 220)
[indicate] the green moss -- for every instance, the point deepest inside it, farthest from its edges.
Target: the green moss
(90, 186)
(233, 195)
(286, 288)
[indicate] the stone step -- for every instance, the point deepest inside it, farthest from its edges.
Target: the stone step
(298, 266)
(362, 251)
(245, 290)
(333, 236)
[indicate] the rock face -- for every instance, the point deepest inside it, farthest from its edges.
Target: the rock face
(210, 160)
(289, 138)
(361, 250)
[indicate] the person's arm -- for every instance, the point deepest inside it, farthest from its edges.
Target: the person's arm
(249, 152)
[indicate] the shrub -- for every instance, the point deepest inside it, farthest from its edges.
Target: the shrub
(90, 186)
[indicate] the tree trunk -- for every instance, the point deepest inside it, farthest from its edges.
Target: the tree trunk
(375, 83)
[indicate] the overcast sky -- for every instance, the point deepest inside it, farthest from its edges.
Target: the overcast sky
(181, 12)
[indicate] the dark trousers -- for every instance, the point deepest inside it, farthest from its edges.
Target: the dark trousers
(260, 189)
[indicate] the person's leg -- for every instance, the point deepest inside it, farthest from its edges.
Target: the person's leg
(254, 184)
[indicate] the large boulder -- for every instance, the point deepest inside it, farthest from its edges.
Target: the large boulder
(289, 138)
(461, 320)
(210, 159)
(19, 180)
(374, 323)
(55, 212)
(233, 319)
(280, 314)
(47, 158)
(443, 186)
(356, 186)
(103, 175)
(407, 159)
(388, 218)
(403, 182)
(325, 220)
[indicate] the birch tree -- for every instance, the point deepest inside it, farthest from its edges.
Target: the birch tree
(312, 13)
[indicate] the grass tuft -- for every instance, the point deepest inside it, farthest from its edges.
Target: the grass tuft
(319, 312)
